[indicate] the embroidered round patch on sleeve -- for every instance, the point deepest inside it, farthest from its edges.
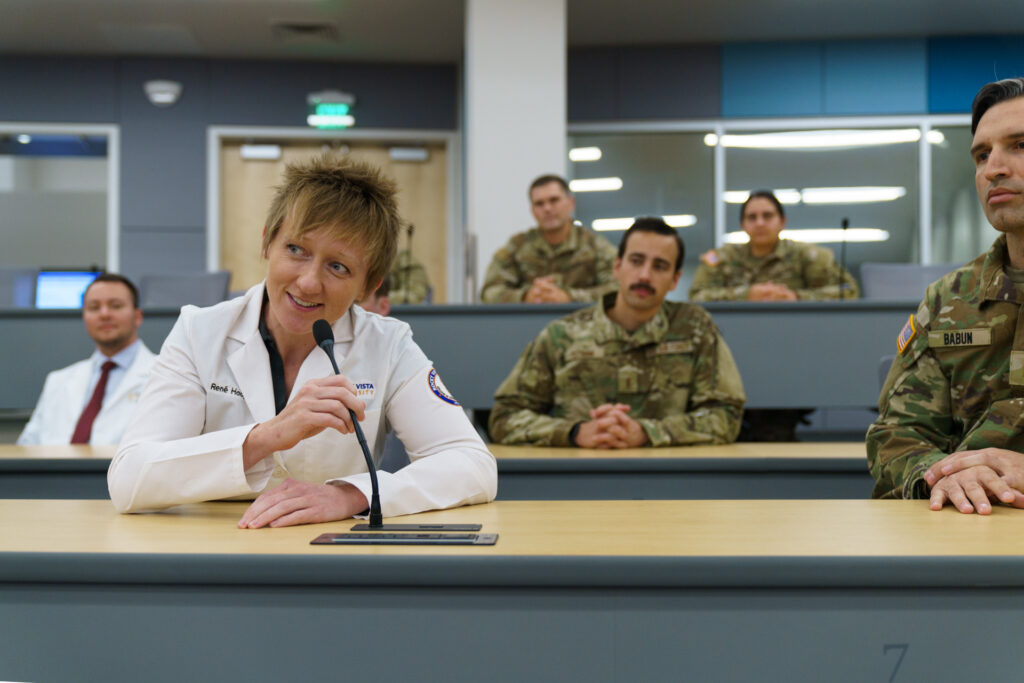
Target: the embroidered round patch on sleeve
(439, 389)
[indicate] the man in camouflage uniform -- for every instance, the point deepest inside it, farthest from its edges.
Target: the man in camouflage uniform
(409, 283)
(951, 414)
(630, 371)
(768, 268)
(557, 261)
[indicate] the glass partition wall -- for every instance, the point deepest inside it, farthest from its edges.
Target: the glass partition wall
(903, 185)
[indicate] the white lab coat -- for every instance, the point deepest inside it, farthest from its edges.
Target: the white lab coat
(211, 385)
(63, 398)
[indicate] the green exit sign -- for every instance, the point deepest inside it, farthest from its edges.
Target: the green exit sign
(330, 110)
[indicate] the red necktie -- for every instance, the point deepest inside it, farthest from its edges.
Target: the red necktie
(83, 430)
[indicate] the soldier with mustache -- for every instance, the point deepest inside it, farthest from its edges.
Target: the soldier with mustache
(950, 418)
(632, 370)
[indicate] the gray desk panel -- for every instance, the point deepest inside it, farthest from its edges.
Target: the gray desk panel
(169, 625)
(535, 479)
(805, 354)
(36, 342)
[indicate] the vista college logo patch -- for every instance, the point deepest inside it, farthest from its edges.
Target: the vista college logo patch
(439, 389)
(364, 390)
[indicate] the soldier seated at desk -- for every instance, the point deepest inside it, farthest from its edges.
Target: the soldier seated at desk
(556, 262)
(630, 371)
(950, 414)
(768, 268)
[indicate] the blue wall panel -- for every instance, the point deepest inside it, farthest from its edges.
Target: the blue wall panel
(773, 79)
(958, 67)
(876, 77)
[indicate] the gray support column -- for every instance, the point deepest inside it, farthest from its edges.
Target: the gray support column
(515, 105)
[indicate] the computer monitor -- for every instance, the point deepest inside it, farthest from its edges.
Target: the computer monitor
(62, 288)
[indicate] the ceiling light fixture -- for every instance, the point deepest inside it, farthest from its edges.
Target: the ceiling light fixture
(584, 154)
(595, 184)
(819, 235)
(785, 196)
(682, 220)
(822, 139)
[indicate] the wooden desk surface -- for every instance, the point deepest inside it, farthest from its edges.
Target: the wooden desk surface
(68, 452)
(679, 529)
(845, 450)
(801, 450)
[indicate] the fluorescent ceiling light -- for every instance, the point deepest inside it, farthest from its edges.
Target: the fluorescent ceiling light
(786, 196)
(604, 224)
(330, 120)
(826, 195)
(819, 235)
(584, 154)
(682, 220)
(935, 137)
(851, 195)
(821, 139)
(24, 139)
(595, 184)
(261, 152)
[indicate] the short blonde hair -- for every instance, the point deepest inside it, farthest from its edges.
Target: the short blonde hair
(351, 199)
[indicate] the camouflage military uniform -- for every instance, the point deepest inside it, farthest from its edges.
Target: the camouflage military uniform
(675, 372)
(958, 381)
(726, 273)
(409, 283)
(582, 265)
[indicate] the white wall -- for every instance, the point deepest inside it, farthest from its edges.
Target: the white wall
(515, 109)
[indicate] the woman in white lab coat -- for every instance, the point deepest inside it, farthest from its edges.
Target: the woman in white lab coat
(243, 404)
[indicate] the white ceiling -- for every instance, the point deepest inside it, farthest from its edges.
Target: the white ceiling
(432, 30)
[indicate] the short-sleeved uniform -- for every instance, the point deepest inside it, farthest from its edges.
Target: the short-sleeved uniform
(726, 273)
(409, 282)
(212, 383)
(582, 265)
(958, 380)
(675, 372)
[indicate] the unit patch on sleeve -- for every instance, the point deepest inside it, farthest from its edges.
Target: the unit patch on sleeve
(439, 389)
(906, 334)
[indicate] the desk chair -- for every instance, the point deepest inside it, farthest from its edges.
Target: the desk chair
(17, 287)
(900, 281)
(884, 363)
(170, 290)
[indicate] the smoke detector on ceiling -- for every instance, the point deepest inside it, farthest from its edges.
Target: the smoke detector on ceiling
(162, 93)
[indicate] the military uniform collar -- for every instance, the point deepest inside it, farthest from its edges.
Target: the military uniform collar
(780, 252)
(651, 332)
(995, 284)
(571, 244)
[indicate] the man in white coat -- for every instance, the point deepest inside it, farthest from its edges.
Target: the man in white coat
(85, 403)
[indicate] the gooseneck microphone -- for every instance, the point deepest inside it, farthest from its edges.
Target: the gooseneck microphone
(842, 259)
(324, 336)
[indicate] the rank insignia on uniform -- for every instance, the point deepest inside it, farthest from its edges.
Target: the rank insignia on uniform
(710, 258)
(906, 334)
(439, 389)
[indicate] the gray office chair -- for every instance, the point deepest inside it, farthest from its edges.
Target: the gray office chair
(18, 287)
(171, 290)
(900, 281)
(884, 363)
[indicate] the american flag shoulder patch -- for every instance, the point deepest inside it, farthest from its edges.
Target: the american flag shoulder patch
(906, 334)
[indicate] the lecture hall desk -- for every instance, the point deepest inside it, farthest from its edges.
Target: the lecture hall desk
(744, 470)
(776, 590)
